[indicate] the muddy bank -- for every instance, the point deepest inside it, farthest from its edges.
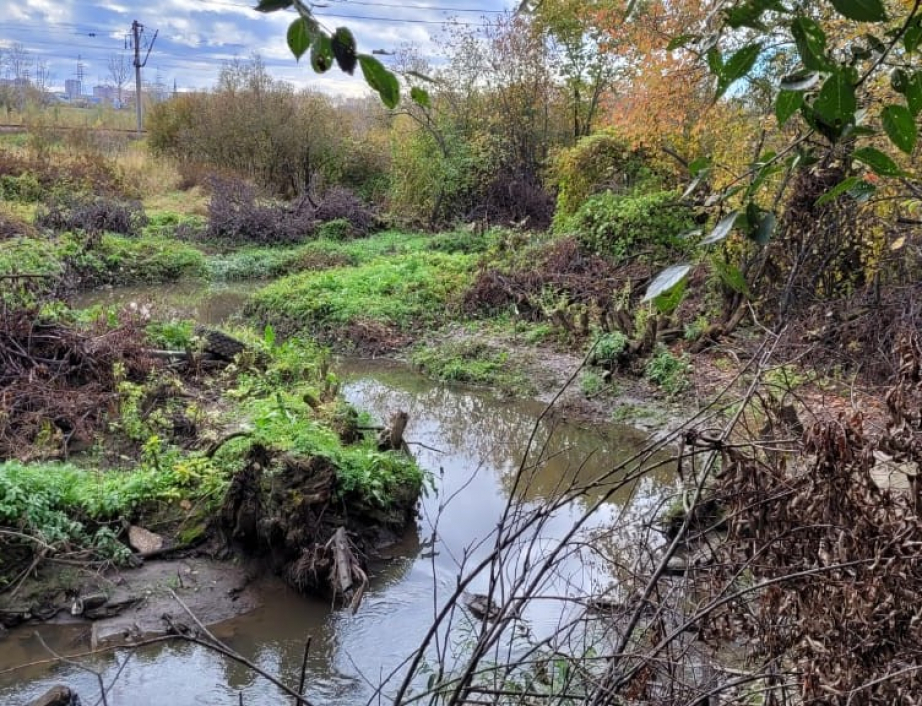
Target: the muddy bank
(125, 605)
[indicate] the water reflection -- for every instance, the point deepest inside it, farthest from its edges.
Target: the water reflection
(209, 303)
(473, 443)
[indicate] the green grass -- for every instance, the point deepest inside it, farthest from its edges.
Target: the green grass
(473, 362)
(114, 259)
(402, 291)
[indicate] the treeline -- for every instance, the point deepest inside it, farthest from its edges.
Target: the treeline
(485, 146)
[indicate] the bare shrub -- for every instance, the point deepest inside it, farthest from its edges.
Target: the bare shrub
(510, 199)
(341, 203)
(237, 215)
(90, 214)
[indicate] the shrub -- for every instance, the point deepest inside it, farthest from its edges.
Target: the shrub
(235, 215)
(338, 229)
(599, 161)
(668, 371)
(618, 227)
(341, 204)
(91, 214)
(397, 293)
(113, 259)
(25, 187)
(511, 198)
(608, 348)
(466, 241)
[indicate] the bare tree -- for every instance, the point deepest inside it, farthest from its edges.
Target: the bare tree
(19, 64)
(43, 78)
(119, 72)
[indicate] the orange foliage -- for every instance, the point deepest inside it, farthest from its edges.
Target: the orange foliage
(660, 95)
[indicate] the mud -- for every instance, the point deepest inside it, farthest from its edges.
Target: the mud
(139, 598)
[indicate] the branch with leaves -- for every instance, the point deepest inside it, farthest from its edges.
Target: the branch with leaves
(306, 35)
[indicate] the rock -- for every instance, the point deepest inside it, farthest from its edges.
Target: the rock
(144, 541)
(219, 344)
(481, 606)
(86, 604)
(57, 696)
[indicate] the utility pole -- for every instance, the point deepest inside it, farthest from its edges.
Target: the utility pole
(136, 30)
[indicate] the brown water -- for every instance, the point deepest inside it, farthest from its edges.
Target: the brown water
(472, 442)
(206, 302)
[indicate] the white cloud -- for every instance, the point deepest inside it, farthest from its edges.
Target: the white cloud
(196, 36)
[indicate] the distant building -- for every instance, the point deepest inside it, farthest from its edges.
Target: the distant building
(104, 94)
(72, 88)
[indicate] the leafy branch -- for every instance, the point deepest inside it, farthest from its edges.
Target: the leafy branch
(306, 36)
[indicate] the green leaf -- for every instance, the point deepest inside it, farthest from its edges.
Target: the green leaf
(420, 97)
(832, 132)
(912, 37)
(692, 185)
(273, 5)
(762, 233)
(343, 46)
(667, 302)
(699, 165)
(321, 53)
(722, 229)
(836, 102)
(862, 191)
(913, 93)
(749, 14)
(683, 40)
(811, 42)
(380, 80)
(299, 37)
(900, 126)
(879, 162)
(666, 280)
(766, 168)
(715, 61)
(731, 276)
(737, 66)
(835, 192)
(799, 81)
(786, 104)
(861, 10)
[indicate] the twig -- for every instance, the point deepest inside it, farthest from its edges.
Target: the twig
(307, 649)
(219, 646)
(78, 665)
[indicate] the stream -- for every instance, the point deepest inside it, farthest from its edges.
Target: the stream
(472, 443)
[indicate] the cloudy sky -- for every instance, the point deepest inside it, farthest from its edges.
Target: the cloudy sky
(196, 36)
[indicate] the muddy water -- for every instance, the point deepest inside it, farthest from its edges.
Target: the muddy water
(473, 444)
(208, 303)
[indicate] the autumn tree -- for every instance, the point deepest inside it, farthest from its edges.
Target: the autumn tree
(574, 40)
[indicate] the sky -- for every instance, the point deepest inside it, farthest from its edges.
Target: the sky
(195, 37)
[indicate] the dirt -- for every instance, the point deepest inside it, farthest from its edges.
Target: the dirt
(212, 590)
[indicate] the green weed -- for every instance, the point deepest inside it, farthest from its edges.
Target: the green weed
(473, 362)
(591, 383)
(668, 372)
(403, 291)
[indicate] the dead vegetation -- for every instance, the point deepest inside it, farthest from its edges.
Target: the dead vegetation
(58, 383)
